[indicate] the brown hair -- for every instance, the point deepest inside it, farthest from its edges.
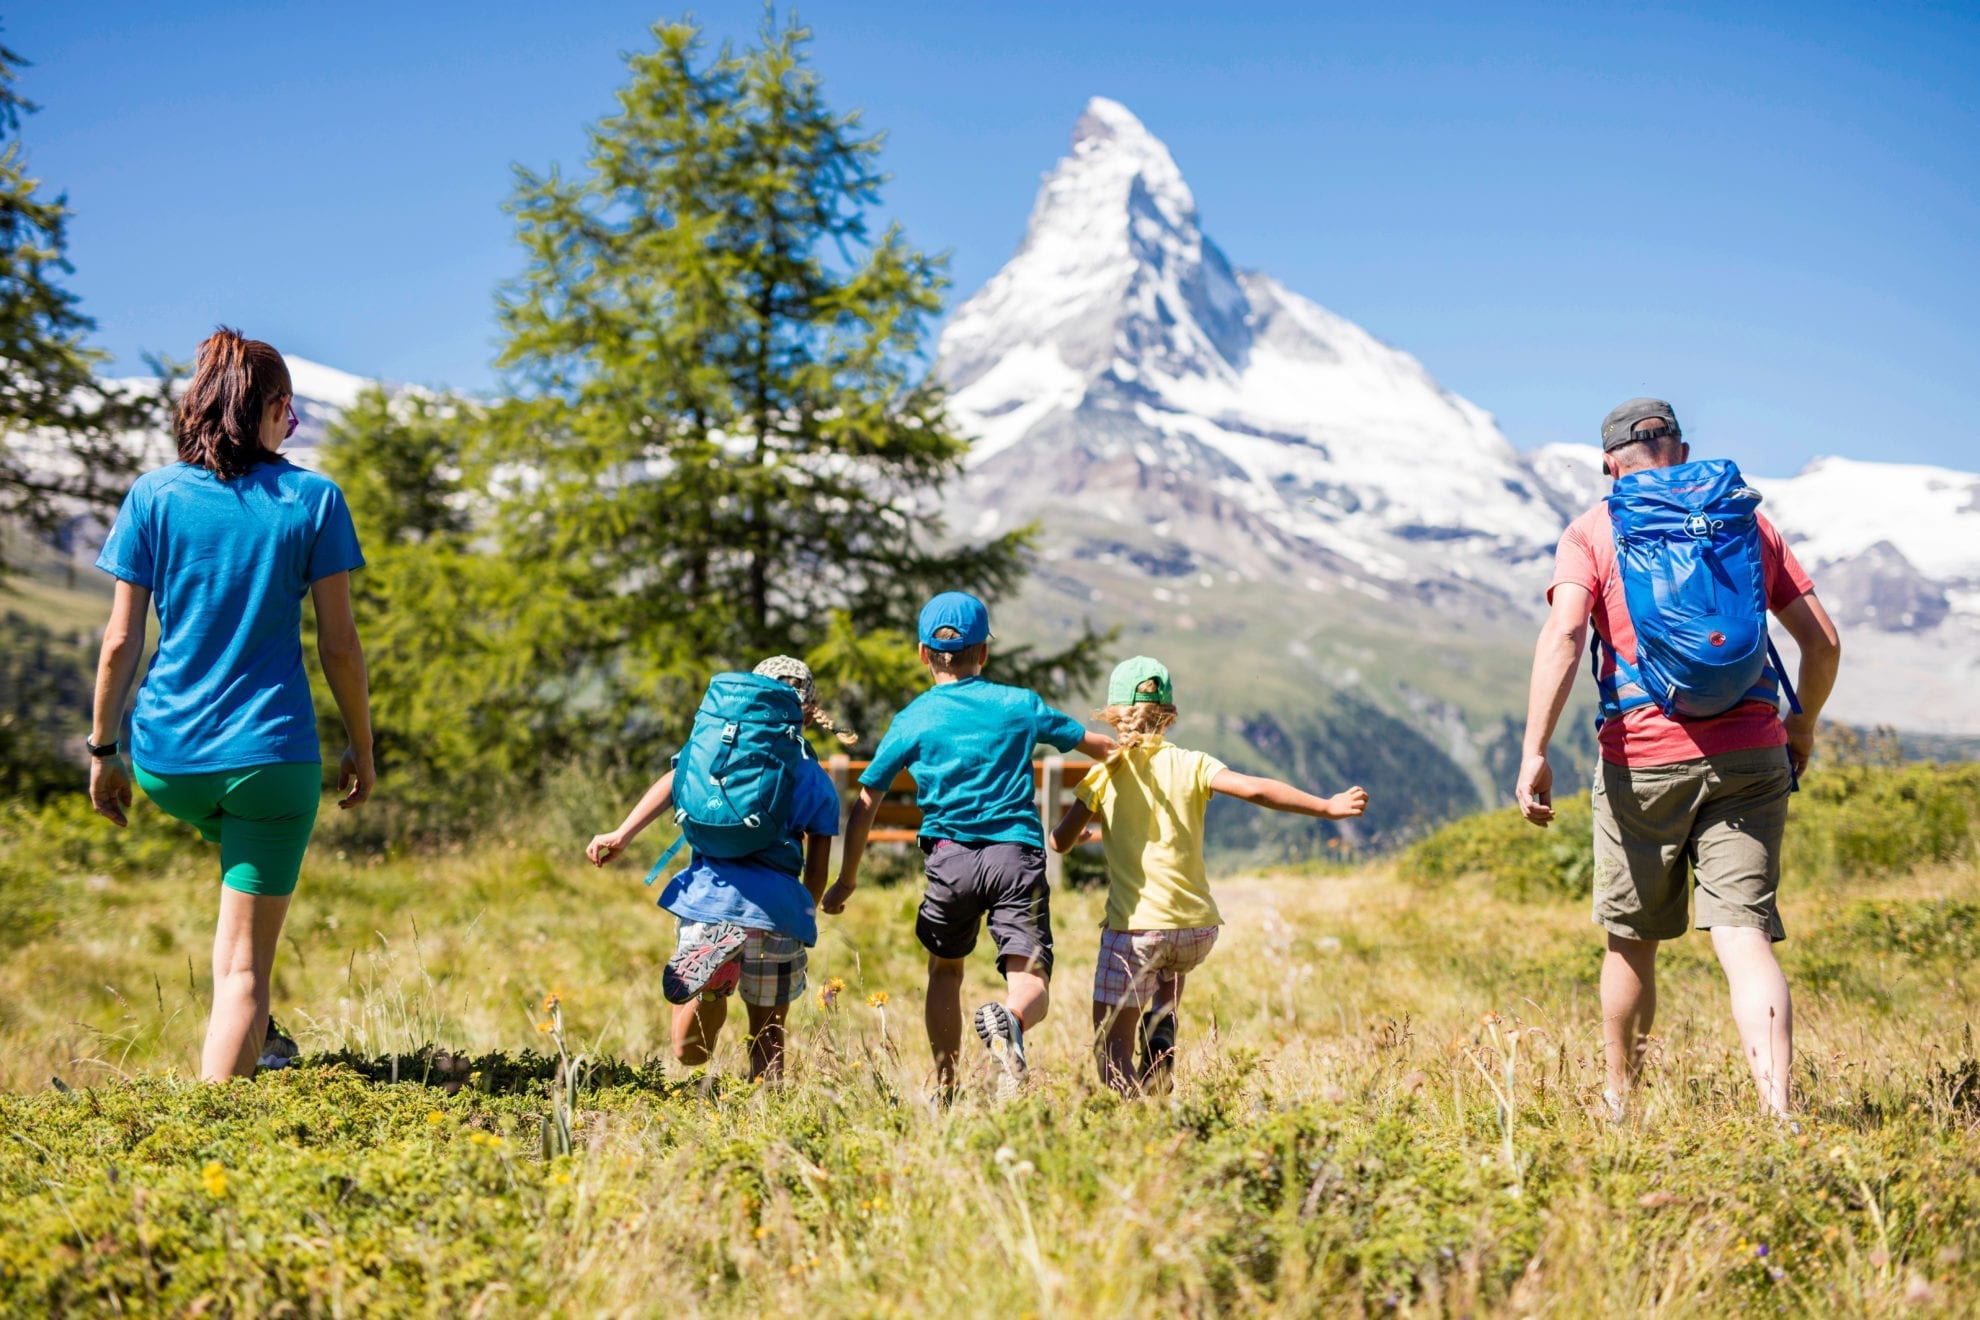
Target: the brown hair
(218, 424)
(1138, 723)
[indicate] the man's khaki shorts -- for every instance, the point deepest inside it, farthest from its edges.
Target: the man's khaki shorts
(1720, 818)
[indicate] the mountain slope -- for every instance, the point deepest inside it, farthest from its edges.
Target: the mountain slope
(1318, 535)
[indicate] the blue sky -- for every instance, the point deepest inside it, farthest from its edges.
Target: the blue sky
(1769, 214)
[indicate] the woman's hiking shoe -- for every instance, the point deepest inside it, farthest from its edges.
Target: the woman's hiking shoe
(1003, 1036)
(698, 957)
(278, 1047)
(1158, 1045)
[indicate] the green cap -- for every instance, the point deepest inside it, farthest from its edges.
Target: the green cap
(1130, 674)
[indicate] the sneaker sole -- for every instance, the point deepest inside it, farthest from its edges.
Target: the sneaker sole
(993, 1029)
(688, 973)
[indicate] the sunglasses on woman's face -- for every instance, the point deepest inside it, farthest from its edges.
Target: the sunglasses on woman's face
(294, 422)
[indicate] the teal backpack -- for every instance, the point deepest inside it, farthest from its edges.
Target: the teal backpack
(735, 779)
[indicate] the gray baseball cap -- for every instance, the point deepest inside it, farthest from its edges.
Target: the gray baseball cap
(1625, 418)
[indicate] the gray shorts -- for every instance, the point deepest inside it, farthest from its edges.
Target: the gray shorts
(1718, 820)
(1004, 882)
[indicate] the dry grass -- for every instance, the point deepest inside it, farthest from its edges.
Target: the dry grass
(1338, 1143)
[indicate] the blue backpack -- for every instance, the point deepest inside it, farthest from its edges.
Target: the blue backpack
(1688, 549)
(735, 780)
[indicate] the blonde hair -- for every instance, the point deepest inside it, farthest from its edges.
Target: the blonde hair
(1138, 723)
(813, 715)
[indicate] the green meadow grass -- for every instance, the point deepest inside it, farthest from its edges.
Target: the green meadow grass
(1387, 1102)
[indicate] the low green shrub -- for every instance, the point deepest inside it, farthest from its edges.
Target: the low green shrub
(1848, 821)
(1882, 820)
(1522, 861)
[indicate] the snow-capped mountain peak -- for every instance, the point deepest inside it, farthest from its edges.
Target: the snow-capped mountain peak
(1120, 338)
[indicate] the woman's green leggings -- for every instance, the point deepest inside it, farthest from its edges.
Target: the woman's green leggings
(261, 818)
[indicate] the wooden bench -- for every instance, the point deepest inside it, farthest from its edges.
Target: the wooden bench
(899, 821)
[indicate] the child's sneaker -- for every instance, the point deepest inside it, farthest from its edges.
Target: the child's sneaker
(1158, 1045)
(704, 949)
(1003, 1036)
(278, 1047)
(727, 977)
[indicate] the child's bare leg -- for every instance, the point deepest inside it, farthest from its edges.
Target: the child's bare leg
(943, 1016)
(766, 1042)
(1027, 992)
(1168, 1002)
(1113, 1045)
(696, 1025)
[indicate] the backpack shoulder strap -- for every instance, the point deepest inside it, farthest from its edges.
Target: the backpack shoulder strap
(673, 849)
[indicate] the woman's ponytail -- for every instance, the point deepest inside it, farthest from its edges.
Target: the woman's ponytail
(218, 422)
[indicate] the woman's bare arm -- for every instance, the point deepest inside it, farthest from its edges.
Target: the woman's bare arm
(337, 646)
(116, 669)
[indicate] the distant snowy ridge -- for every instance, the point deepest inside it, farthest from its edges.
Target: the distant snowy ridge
(1156, 406)
(322, 395)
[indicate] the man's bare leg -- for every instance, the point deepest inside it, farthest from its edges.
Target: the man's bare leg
(1629, 1008)
(1762, 1008)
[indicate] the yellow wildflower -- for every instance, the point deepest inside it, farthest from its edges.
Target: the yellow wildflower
(436, 1116)
(562, 1179)
(214, 1178)
(878, 999)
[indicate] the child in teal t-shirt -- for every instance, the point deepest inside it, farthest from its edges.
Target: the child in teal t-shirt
(968, 743)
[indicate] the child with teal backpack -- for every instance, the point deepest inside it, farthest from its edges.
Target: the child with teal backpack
(759, 814)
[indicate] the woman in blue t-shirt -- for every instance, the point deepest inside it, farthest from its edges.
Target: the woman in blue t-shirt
(226, 542)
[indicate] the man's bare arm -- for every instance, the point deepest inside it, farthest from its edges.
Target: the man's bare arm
(1814, 633)
(1556, 657)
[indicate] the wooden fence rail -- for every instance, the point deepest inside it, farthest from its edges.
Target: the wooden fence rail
(899, 820)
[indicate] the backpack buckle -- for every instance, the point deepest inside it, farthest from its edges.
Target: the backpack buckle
(729, 734)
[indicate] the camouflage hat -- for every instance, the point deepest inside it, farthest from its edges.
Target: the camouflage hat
(790, 670)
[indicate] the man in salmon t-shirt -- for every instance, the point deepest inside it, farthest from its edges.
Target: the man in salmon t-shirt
(1707, 796)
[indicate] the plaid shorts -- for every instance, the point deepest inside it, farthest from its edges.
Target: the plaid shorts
(772, 969)
(1132, 962)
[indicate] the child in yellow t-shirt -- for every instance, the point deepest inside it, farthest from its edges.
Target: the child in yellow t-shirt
(1150, 797)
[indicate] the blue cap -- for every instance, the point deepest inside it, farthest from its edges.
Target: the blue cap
(958, 610)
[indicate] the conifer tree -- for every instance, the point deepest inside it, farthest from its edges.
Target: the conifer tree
(463, 671)
(725, 437)
(63, 446)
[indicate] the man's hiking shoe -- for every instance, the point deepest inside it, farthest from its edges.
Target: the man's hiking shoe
(1158, 1045)
(278, 1047)
(1003, 1036)
(698, 958)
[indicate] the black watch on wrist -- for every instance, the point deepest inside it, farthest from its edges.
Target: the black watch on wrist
(108, 749)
